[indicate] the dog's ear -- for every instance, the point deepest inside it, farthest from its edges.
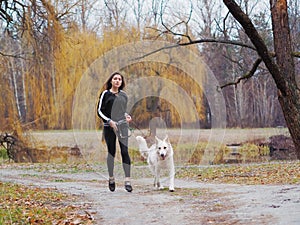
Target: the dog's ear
(156, 140)
(166, 139)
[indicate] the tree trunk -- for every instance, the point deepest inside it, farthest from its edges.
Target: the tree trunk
(15, 86)
(283, 70)
(290, 103)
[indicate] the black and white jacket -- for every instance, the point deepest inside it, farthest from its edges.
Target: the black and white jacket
(112, 106)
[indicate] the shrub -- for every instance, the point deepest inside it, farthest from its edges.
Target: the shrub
(253, 153)
(3, 153)
(135, 155)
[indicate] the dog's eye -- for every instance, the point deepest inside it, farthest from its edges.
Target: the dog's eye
(165, 147)
(159, 148)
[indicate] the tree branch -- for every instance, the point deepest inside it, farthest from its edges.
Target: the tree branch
(229, 42)
(200, 41)
(246, 76)
(170, 30)
(12, 55)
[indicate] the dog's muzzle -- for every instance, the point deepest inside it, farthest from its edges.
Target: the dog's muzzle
(163, 156)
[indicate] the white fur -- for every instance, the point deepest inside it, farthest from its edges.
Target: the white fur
(159, 156)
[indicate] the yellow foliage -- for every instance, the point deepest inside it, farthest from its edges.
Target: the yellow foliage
(172, 84)
(76, 53)
(53, 73)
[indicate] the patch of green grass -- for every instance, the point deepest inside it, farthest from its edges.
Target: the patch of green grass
(30, 175)
(193, 192)
(3, 153)
(59, 180)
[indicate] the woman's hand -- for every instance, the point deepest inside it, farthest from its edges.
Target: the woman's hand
(113, 125)
(128, 118)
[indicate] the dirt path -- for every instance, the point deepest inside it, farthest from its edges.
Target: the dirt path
(191, 203)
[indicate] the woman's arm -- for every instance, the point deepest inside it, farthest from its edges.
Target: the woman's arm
(101, 107)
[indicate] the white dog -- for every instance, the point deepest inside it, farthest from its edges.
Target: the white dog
(159, 156)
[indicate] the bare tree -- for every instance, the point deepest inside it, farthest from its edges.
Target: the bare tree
(116, 13)
(137, 7)
(282, 69)
(155, 11)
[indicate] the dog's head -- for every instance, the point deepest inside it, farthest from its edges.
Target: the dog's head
(163, 147)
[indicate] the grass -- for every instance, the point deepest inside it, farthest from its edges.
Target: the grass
(276, 173)
(61, 168)
(30, 205)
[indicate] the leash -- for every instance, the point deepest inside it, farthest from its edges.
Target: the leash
(126, 124)
(137, 127)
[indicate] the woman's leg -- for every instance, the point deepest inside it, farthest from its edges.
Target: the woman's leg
(110, 139)
(126, 162)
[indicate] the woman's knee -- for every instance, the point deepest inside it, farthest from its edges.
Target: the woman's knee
(126, 158)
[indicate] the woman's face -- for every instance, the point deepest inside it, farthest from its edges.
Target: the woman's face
(116, 81)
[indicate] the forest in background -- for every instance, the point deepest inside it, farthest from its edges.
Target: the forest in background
(49, 45)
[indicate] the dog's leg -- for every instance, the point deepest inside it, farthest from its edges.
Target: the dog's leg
(154, 172)
(172, 175)
(156, 178)
(158, 185)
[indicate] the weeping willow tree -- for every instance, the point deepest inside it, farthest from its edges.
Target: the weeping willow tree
(43, 34)
(174, 90)
(166, 86)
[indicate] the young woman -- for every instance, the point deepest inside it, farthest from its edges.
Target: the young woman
(112, 109)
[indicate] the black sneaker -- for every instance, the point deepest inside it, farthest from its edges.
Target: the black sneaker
(111, 184)
(128, 186)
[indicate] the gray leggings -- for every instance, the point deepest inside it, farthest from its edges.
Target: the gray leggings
(110, 139)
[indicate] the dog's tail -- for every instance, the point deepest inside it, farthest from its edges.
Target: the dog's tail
(142, 146)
